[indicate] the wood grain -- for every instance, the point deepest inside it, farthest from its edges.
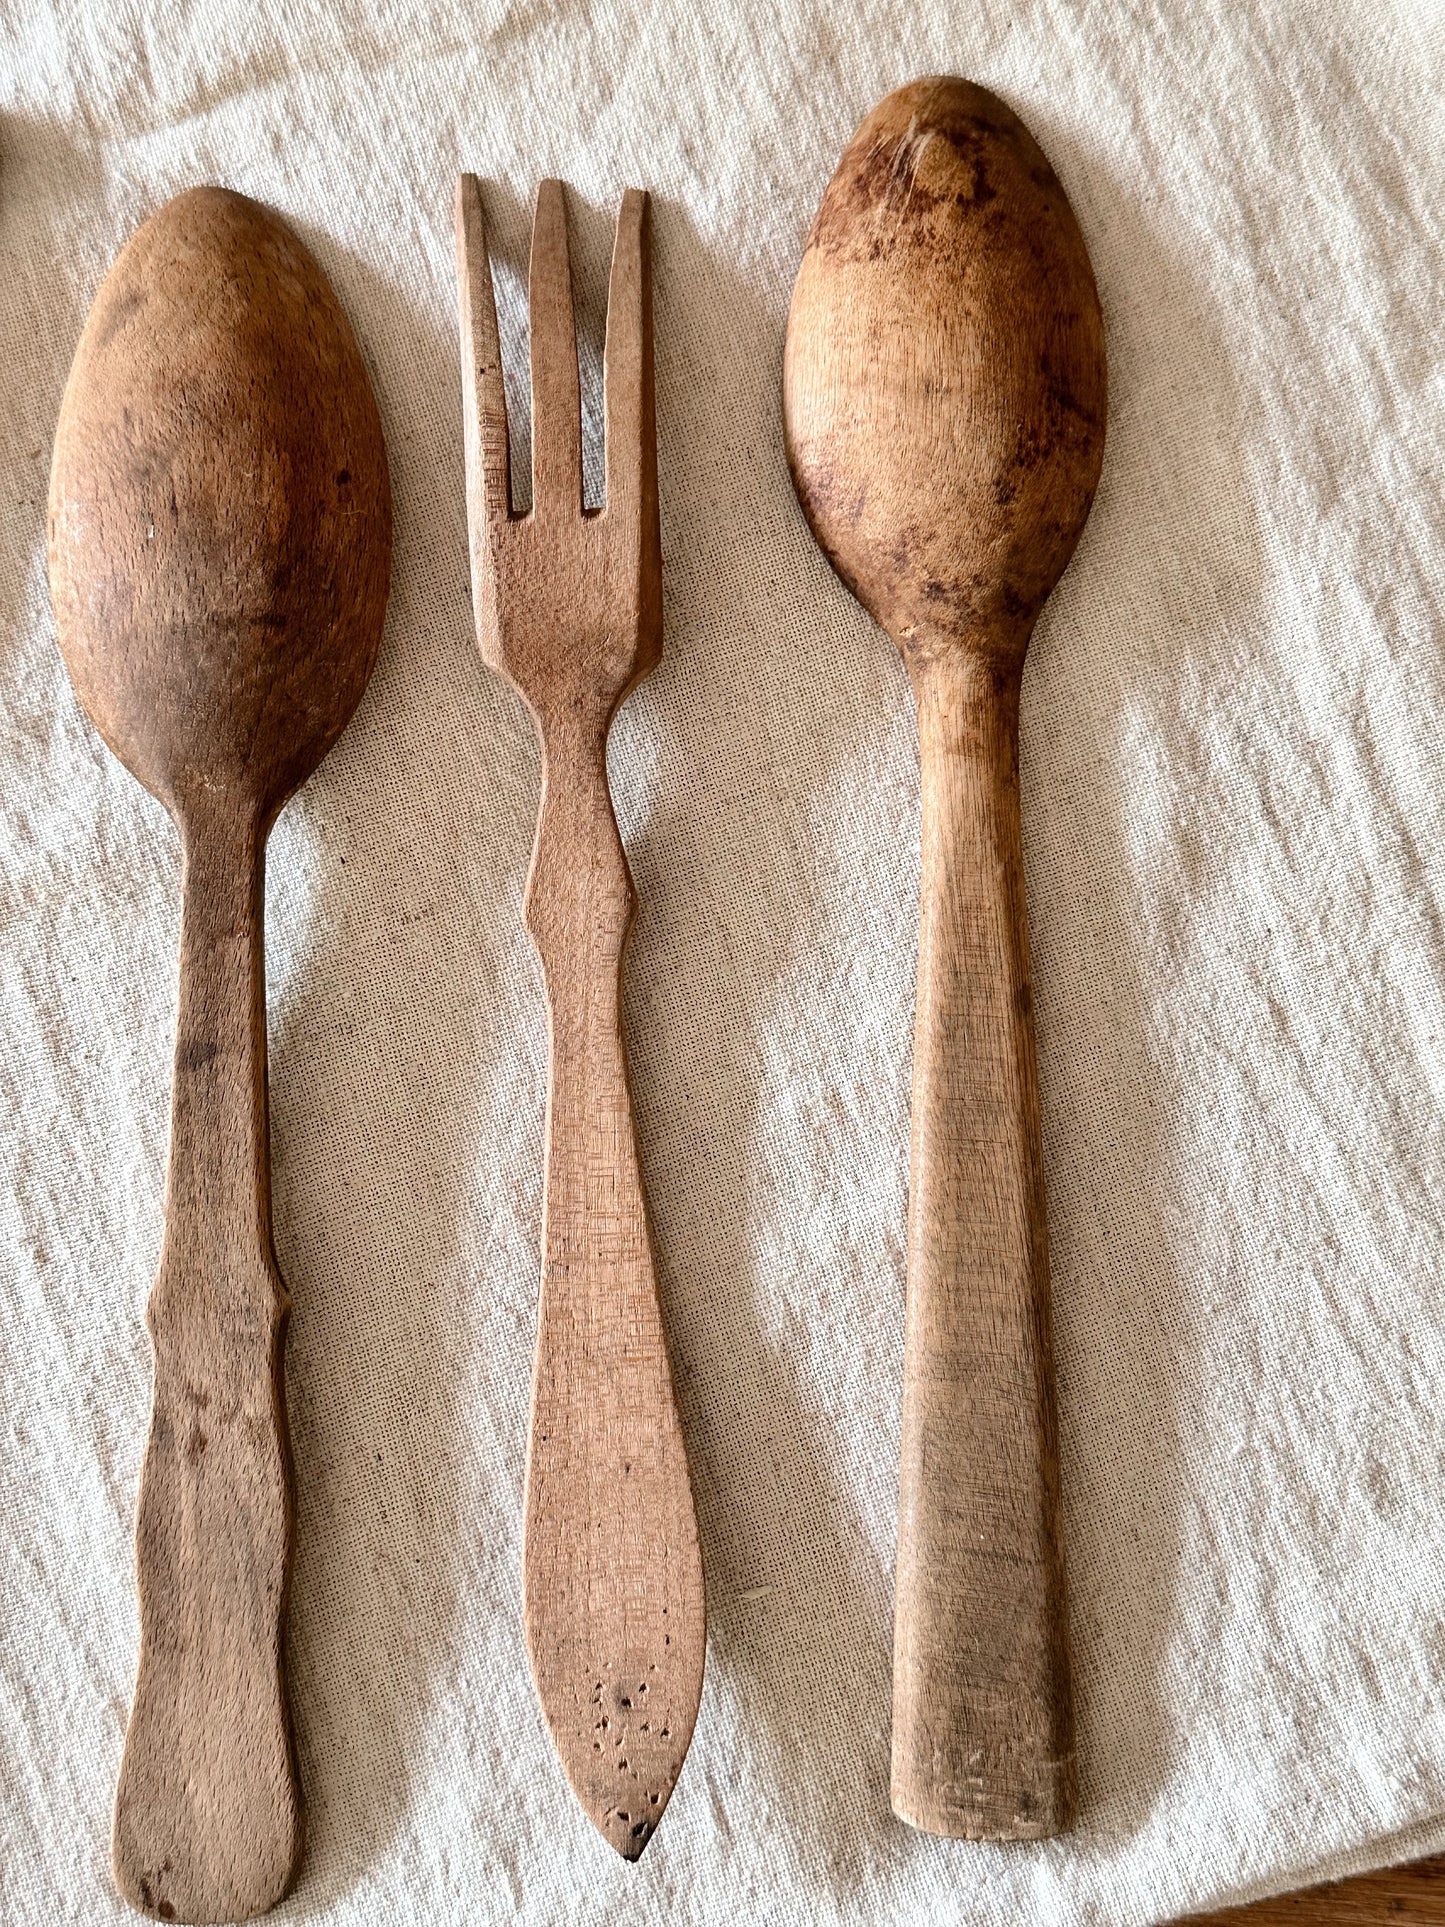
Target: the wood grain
(1410, 1896)
(220, 550)
(944, 405)
(569, 611)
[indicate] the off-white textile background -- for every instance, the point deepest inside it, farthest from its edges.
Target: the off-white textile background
(1233, 824)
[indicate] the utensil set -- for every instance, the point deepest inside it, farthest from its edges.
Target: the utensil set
(219, 545)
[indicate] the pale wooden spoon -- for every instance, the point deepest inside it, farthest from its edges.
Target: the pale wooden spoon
(944, 401)
(220, 550)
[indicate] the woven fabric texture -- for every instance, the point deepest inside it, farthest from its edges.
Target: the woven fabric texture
(1234, 813)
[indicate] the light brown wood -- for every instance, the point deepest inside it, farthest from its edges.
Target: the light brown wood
(1412, 1896)
(569, 611)
(944, 402)
(220, 550)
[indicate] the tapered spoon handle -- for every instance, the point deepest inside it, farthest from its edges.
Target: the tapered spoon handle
(207, 1812)
(612, 1572)
(982, 1718)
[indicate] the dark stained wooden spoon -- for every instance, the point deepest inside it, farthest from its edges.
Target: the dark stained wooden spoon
(944, 402)
(220, 553)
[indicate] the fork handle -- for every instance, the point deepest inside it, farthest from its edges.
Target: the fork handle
(612, 1571)
(207, 1809)
(982, 1712)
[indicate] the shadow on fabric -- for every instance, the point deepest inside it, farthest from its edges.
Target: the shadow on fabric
(1169, 569)
(383, 1060)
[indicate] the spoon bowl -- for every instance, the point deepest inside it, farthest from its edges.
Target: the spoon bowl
(219, 508)
(944, 375)
(944, 400)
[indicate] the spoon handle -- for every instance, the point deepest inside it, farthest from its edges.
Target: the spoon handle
(612, 1571)
(207, 1811)
(982, 1709)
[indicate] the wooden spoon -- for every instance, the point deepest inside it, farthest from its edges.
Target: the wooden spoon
(220, 551)
(944, 400)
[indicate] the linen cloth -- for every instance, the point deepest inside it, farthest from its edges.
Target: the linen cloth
(1233, 826)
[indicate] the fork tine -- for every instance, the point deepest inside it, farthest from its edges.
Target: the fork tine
(484, 399)
(556, 400)
(628, 388)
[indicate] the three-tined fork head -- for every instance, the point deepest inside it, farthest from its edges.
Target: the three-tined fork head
(568, 601)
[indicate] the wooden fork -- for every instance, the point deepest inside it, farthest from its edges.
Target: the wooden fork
(569, 611)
